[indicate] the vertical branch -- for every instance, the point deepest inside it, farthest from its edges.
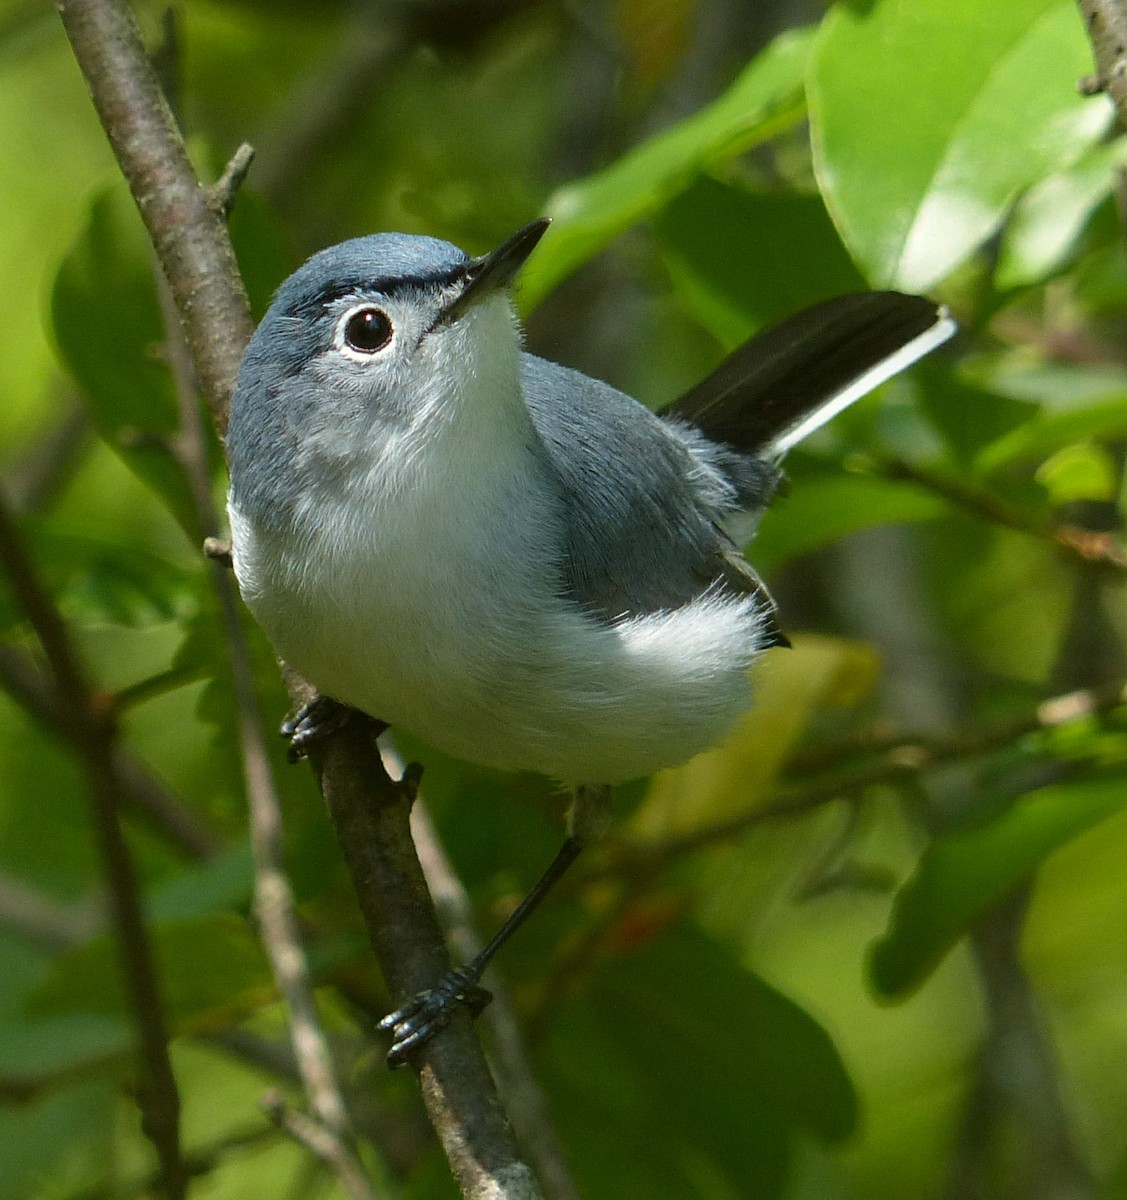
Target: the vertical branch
(371, 814)
(92, 733)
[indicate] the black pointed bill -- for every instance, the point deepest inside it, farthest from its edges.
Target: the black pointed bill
(494, 270)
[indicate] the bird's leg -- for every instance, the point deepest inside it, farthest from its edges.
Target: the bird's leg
(317, 718)
(430, 1010)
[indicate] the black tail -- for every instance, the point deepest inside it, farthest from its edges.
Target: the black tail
(784, 383)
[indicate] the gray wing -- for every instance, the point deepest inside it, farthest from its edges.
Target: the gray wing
(645, 497)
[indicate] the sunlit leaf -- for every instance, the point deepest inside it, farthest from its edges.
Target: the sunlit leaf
(931, 116)
(964, 872)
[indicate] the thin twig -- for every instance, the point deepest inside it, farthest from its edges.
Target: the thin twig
(926, 748)
(321, 1143)
(515, 1079)
(224, 190)
(901, 758)
(92, 732)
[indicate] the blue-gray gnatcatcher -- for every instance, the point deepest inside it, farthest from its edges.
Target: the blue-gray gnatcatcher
(515, 562)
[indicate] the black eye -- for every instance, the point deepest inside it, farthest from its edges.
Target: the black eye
(367, 330)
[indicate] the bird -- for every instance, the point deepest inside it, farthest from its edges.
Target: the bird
(519, 564)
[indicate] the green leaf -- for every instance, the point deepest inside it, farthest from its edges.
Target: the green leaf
(591, 212)
(1007, 595)
(678, 1065)
(263, 251)
(930, 117)
(48, 1143)
(1077, 402)
(968, 417)
(1079, 472)
(1048, 220)
(964, 872)
(108, 329)
(97, 580)
(742, 260)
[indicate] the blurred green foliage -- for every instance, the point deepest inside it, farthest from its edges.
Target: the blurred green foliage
(719, 1025)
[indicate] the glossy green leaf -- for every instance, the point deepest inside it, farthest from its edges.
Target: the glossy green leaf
(1048, 220)
(743, 259)
(1079, 472)
(930, 117)
(964, 872)
(108, 328)
(591, 212)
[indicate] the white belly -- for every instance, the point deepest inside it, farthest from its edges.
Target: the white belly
(477, 654)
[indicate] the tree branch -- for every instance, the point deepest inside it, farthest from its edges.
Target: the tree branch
(371, 813)
(516, 1081)
(92, 731)
(1088, 548)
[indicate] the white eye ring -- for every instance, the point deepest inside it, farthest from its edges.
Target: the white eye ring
(363, 332)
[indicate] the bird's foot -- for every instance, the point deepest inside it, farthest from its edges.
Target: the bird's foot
(314, 720)
(428, 1012)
